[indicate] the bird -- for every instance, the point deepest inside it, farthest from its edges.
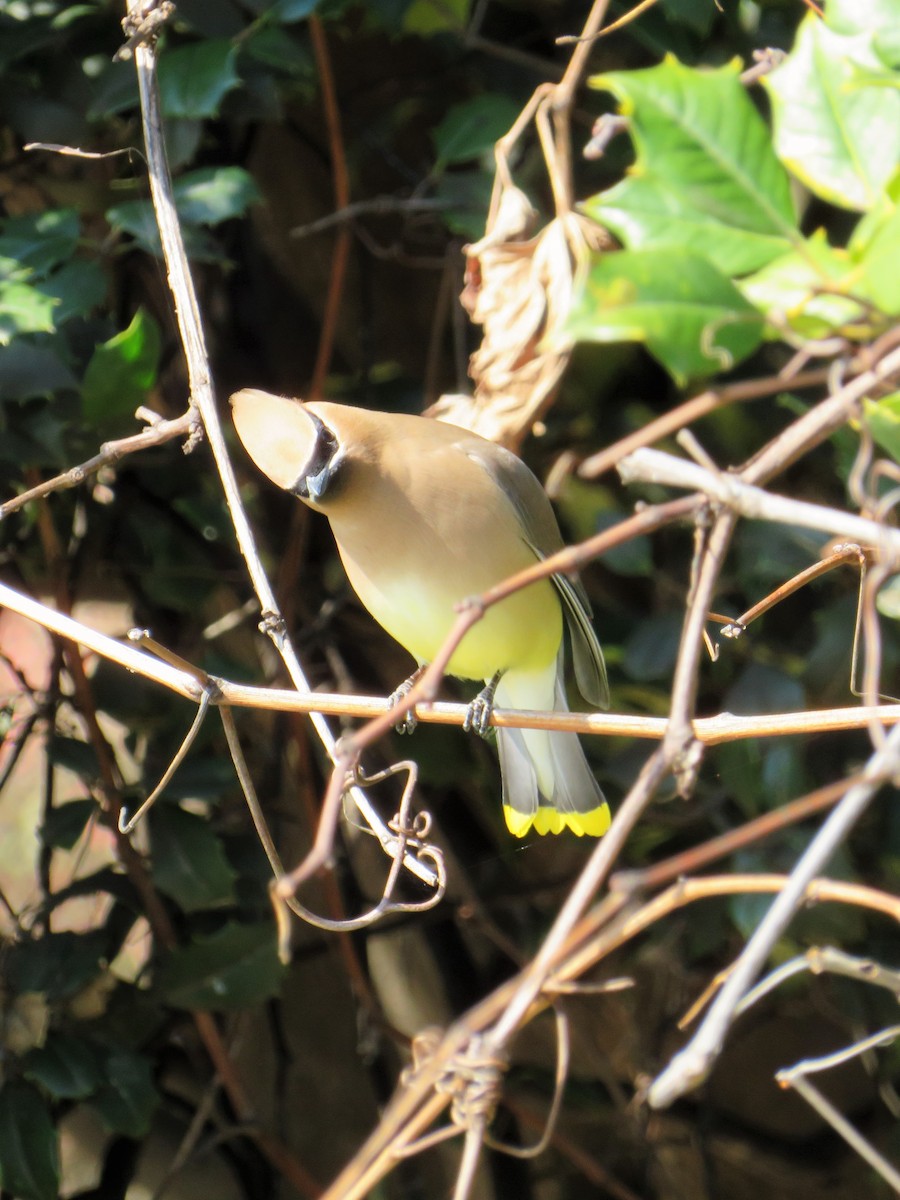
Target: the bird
(425, 515)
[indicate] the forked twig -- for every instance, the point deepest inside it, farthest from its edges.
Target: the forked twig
(691, 1065)
(796, 1077)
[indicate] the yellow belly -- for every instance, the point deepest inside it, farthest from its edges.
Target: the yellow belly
(522, 632)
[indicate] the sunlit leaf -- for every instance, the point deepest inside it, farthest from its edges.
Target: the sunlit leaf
(875, 250)
(706, 178)
(838, 135)
(25, 309)
(888, 599)
(693, 319)
(883, 419)
(858, 16)
(214, 194)
(122, 371)
(803, 290)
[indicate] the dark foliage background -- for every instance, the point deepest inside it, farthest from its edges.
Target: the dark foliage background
(101, 1054)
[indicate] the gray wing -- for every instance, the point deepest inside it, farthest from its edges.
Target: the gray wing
(541, 533)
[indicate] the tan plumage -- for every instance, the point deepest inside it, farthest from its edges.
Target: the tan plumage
(426, 514)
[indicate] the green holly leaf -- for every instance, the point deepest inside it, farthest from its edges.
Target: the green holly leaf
(836, 114)
(41, 241)
(67, 1067)
(811, 291)
(693, 319)
(857, 16)
(875, 249)
(706, 177)
(213, 194)
(65, 823)
(24, 309)
(194, 79)
(471, 128)
(189, 863)
(29, 1160)
(883, 419)
(128, 1098)
(121, 372)
(235, 967)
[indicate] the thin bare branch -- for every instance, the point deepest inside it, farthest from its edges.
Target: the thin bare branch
(159, 431)
(202, 397)
(730, 491)
(691, 1065)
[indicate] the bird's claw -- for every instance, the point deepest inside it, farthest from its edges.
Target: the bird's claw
(478, 715)
(481, 709)
(408, 721)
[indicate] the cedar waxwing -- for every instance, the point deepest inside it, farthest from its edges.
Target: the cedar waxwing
(426, 514)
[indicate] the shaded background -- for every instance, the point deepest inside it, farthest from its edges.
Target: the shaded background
(423, 90)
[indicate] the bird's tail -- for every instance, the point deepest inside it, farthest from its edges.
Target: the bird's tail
(547, 782)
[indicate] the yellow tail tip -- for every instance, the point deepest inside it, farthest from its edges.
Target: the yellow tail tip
(550, 820)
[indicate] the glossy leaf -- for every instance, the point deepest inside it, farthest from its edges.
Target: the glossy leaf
(471, 128)
(425, 18)
(78, 288)
(122, 371)
(232, 968)
(58, 964)
(76, 756)
(193, 80)
(875, 249)
(40, 241)
(651, 650)
(764, 689)
(189, 863)
(693, 319)
(857, 16)
(214, 194)
(136, 217)
(203, 197)
(24, 309)
(883, 420)
(27, 370)
(128, 1098)
(65, 823)
(29, 1160)
(287, 11)
(67, 1067)
(838, 134)
(706, 177)
(804, 291)
(888, 599)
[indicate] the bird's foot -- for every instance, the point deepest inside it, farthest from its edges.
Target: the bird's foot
(480, 710)
(409, 720)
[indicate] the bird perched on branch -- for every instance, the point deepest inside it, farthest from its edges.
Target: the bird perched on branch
(426, 514)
